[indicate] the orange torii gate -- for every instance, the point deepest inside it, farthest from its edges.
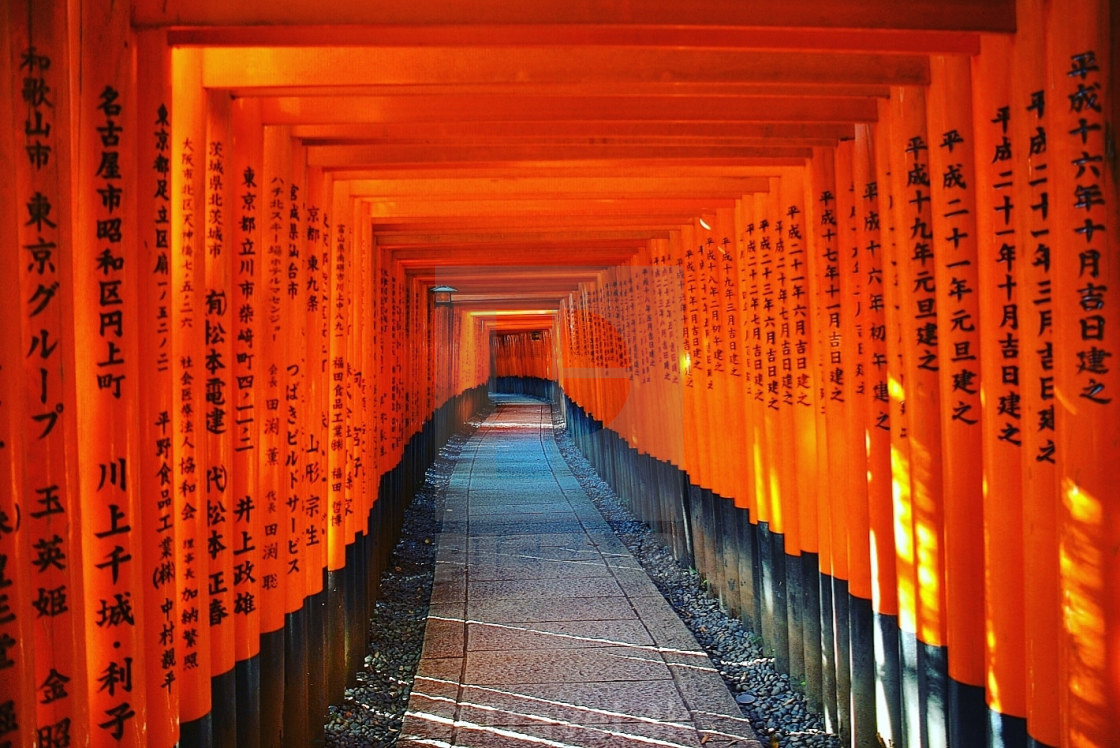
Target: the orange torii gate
(826, 291)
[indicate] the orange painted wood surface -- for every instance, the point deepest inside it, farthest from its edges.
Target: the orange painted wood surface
(847, 266)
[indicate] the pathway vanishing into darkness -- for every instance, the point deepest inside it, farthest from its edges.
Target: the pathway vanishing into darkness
(543, 629)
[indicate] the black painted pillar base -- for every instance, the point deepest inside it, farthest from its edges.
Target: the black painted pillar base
(933, 693)
(811, 630)
(731, 595)
(861, 642)
(272, 688)
(1005, 731)
(968, 714)
(247, 675)
(828, 654)
(909, 690)
(223, 708)
(317, 702)
(794, 616)
(296, 728)
(198, 733)
(748, 581)
(888, 715)
(337, 661)
(1033, 743)
(843, 650)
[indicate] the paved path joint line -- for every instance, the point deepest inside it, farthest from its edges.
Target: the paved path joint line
(543, 629)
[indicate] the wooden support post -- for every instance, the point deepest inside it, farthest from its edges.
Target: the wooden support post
(923, 658)
(1031, 121)
(878, 634)
(1000, 250)
(216, 442)
(157, 486)
(822, 262)
(1085, 274)
(892, 629)
(245, 173)
(952, 176)
(188, 220)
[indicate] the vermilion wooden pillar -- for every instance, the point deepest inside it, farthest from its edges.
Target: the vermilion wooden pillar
(157, 485)
(1031, 123)
(285, 220)
(18, 665)
(49, 525)
(216, 438)
(877, 708)
(802, 246)
(334, 446)
(245, 172)
(683, 250)
(1085, 273)
(953, 183)
(824, 261)
(863, 299)
(923, 658)
(1002, 319)
(890, 682)
(313, 207)
(794, 356)
(272, 484)
(848, 383)
(710, 421)
(820, 208)
(188, 218)
(106, 271)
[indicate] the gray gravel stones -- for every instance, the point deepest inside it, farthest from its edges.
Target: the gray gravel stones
(372, 712)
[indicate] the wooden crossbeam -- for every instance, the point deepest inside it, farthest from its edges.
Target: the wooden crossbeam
(244, 68)
(330, 156)
(435, 132)
(942, 15)
(510, 255)
(500, 108)
(604, 88)
(457, 237)
(473, 188)
(514, 208)
(912, 41)
(574, 168)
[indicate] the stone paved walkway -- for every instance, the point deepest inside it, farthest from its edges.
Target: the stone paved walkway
(543, 629)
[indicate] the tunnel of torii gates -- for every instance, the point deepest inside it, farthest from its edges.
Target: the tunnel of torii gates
(827, 290)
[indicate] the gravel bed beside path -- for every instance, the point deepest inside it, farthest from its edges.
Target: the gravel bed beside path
(766, 697)
(372, 712)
